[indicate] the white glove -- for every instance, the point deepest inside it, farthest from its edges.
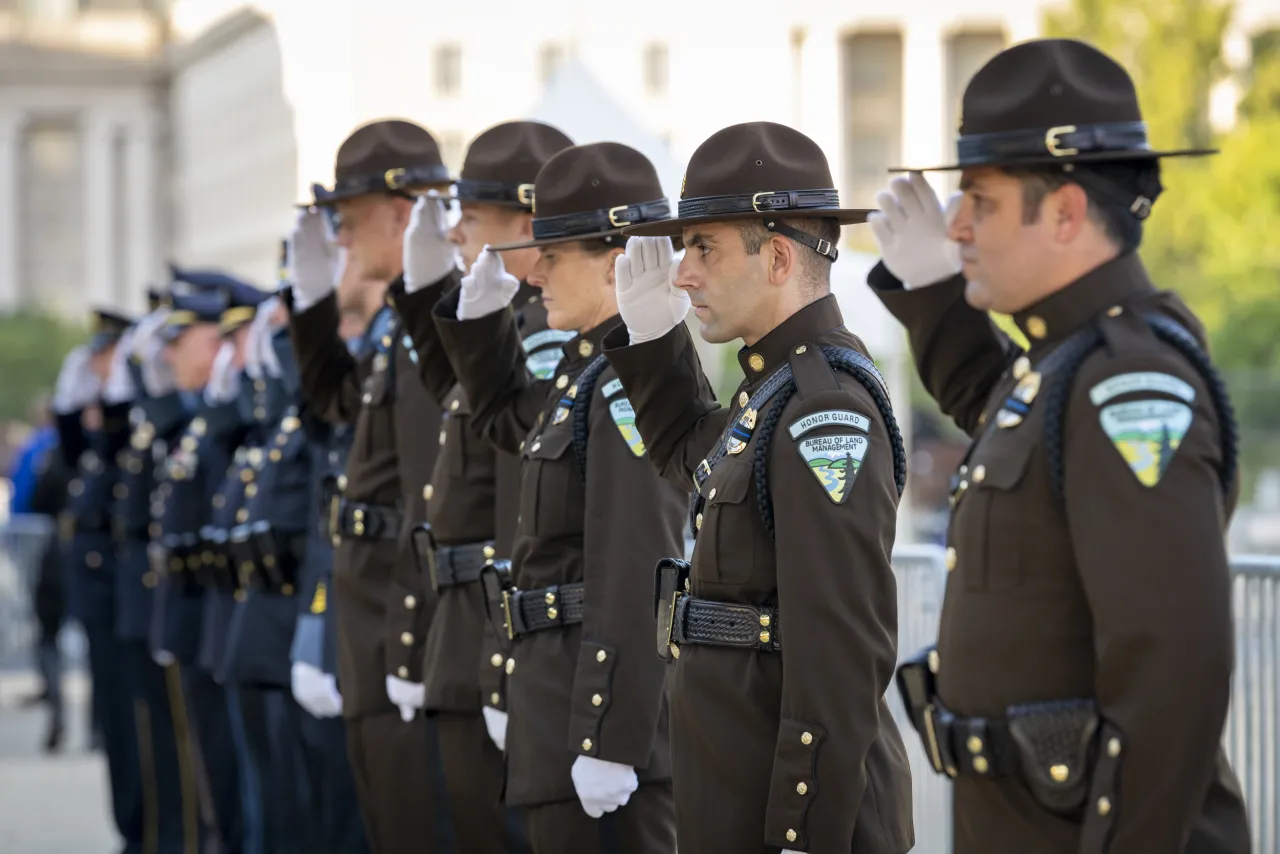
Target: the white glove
(224, 379)
(409, 696)
(911, 230)
(77, 385)
(648, 300)
(315, 690)
(495, 721)
(260, 357)
(428, 254)
(119, 387)
(148, 349)
(602, 786)
(487, 288)
(162, 657)
(312, 259)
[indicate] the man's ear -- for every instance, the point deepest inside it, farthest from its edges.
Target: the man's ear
(1068, 209)
(783, 258)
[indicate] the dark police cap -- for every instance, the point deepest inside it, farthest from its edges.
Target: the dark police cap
(391, 156)
(1052, 101)
(108, 326)
(502, 163)
(202, 296)
(592, 192)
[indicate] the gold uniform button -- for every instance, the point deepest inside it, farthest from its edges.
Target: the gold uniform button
(1104, 805)
(597, 700)
(1113, 748)
(536, 447)
(219, 500)
(980, 764)
(697, 522)
(1036, 327)
(93, 560)
(402, 672)
(791, 836)
(453, 407)
(511, 666)
(979, 474)
(586, 744)
(242, 515)
(935, 661)
(974, 744)
(427, 492)
(275, 455)
(806, 738)
(251, 490)
(800, 351)
(802, 789)
(743, 399)
(1115, 311)
(951, 558)
(342, 483)
(1021, 367)
(712, 496)
(562, 381)
(489, 552)
(764, 637)
(496, 659)
(495, 698)
(410, 602)
(601, 656)
(406, 638)
(550, 598)
(1059, 773)
(756, 361)
(585, 349)
(764, 620)
(444, 435)
(552, 613)
(149, 580)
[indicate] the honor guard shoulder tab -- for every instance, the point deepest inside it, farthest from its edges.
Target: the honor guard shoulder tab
(1071, 356)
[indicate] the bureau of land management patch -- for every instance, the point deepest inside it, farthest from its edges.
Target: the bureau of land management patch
(1147, 433)
(834, 461)
(625, 417)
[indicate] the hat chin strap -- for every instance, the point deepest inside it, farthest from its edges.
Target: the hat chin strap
(817, 244)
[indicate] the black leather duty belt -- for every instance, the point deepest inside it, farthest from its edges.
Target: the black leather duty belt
(358, 521)
(705, 621)
(193, 563)
(266, 559)
(529, 611)
(449, 566)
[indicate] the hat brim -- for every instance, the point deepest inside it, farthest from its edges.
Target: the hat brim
(332, 199)
(552, 241)
(1051, 160)
(454, 197)
(103, 341)
(676, 227)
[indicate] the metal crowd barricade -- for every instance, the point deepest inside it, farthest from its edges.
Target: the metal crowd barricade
(1250, 737)
(22, 543)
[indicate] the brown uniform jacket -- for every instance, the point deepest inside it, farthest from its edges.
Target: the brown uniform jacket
(1119, 592)
(473, 497)
(791, 749)
(382, 606)
(596, 688)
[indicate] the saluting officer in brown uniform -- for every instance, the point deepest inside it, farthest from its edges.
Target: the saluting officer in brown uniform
(382, 609)
(1081, 678)
(784, 629)
(472, 500)
(587, 744)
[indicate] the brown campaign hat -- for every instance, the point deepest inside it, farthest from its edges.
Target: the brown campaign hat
(391, 156)
(758, 170)
(593, 191)
(502, 163)
(1052, 101)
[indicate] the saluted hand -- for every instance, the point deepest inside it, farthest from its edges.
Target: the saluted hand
(260, 357)
(77, 385)
(428, 254)
(911, 230)
(312, 258)
(119, 387)
(148, 348)
(224, 379)
(648, 300)
(487, 288)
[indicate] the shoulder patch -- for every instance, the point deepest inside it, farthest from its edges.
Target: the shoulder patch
(546, 336)
(830, 417)
(319, 602)
(543, 364)
(1142, 381)
(611, 388)
(624, 416)
(1147, 434)
(834, 461)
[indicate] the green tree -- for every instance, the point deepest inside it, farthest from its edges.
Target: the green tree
(32, 346)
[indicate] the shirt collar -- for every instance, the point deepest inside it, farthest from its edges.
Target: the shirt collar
(771, 351)
(1058, 315)
(585, 346)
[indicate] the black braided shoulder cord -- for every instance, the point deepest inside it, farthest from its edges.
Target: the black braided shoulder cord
(1068, 358)
(586, 384)
(852, 363)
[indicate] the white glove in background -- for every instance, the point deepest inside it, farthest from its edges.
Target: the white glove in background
(408, 696)
(312, 259)
(119, 386)
(260, 357)
(224, 379)
(77, 386)
(495, 721)
(602, 786)
(487, 288)
(162, 657)
(911, 230)
(648, 300)
(428, 254)
(315, 690)
(148, 349)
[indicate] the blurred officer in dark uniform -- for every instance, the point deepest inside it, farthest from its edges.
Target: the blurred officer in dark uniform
(1082, 675)
(473, 497)
(384, 606)
(92, 402)
(587, 747)
(156, 418)
(194, 598)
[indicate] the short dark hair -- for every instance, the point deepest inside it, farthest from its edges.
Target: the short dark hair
(816, 268)
(1115, 219)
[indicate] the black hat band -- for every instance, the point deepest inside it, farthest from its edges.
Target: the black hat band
(469, 190)
(1062, 141)
(588, 223)
(769, 201)
(389, 181)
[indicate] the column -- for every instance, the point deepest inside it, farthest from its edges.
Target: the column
(98, 144)
(821, 111)
(142, 261)
(924, 140)
(11, 219)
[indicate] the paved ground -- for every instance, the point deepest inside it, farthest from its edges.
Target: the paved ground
(49, 804)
